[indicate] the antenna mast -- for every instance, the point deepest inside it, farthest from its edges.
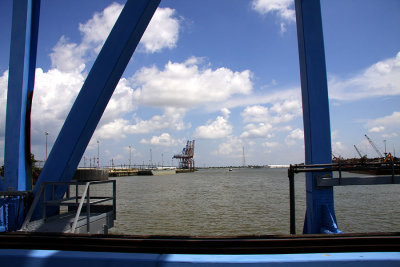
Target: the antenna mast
(243, 159)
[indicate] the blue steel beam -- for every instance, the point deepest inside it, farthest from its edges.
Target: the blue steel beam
(320, 215)
(17, 153)
(59, 258)
(97, 90)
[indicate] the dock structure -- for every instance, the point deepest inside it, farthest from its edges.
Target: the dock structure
(383, 173)
(122, 172)
(88, 210)
(157, 171)
(186, 160)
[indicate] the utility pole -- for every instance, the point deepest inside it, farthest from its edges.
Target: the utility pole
(151, 159)
(384, 141)
(46, 134)
(130, 156)
(98, 154)
(244, 159)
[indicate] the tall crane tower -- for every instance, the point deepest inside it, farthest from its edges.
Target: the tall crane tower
(186, 157)
(374, 147)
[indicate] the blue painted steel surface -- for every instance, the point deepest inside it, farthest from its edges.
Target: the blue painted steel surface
(3, 215)
(10, 257)
(96, 92)
(11, 213)
(320, 215)
(25, 25)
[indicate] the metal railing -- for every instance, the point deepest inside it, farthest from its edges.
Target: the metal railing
(326, 179)
(77, 200)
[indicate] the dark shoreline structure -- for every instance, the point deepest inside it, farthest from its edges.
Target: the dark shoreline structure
(375, 166)
(134, 172)
(91, 175)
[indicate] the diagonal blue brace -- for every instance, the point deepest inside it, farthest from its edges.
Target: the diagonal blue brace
(17, 153)
(320, 214)
(96, 92)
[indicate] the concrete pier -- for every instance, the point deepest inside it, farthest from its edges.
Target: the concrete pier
(160, 171)
(123, 172)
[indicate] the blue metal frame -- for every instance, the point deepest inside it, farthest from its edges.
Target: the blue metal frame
(103, 78)
(24, 36)
(96, 92)
(21, 79)
(320, 215)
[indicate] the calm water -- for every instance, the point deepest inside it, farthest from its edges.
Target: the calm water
(217, 202)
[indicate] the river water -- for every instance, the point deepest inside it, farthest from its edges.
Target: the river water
(218, 202)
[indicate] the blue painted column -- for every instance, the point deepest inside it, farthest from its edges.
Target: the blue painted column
(97, 90)
(24, 36)
(320, 215)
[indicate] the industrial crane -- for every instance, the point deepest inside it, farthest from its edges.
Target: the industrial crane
(358, 151)
(374, 147)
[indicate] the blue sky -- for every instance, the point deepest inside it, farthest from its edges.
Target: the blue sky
(224, 73)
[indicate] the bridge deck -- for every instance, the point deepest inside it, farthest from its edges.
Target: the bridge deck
(62, 223)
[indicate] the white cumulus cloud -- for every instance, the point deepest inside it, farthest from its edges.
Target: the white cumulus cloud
(294, 136)
(172, 118)
(265, 120)
(380, 79)
(162, 32)
(232, 147)
(122, 101)
(259, 130)
(281, 8)
(55, 91)
(187, 84)
(57, 88)
(279, 112)
(225, 112)
(255, 113)
(3, 104)
(376, 129)
(164, 139)
(68, 57)
(388, 126)
(219, 128)
(96, 30)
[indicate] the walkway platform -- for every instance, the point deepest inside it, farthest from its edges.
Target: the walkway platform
(86, 210)
(99, 223)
